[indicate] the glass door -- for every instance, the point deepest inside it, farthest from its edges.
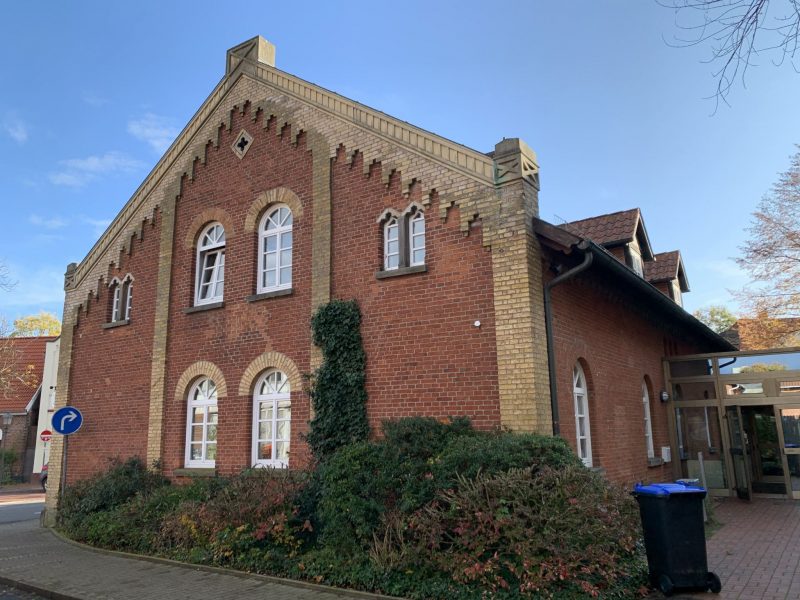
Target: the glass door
(790, 429)
(739, 453)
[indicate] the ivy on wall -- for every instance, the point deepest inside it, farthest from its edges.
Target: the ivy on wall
(338, 391)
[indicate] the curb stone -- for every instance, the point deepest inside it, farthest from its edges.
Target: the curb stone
(345, 593)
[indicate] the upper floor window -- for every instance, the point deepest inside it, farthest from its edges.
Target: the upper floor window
(404, 240)
(580, 395)
(121, 298)
(210, 276)
(201, 426)
(648, 424)
(272, 415)
(275, 250)
(636, 260)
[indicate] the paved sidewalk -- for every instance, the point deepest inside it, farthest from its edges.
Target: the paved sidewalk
(40, 561)
(756, 552)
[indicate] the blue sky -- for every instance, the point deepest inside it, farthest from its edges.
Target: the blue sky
(91, 93)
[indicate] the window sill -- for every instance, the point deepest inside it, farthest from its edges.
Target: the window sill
(195, 472)
(401, 271)
(116, 324)
(655, 462)
(203, 307)
(265, 295)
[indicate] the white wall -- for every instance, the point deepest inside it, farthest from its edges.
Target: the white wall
(46, 403)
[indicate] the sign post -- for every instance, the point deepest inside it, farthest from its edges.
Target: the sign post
(66, 421)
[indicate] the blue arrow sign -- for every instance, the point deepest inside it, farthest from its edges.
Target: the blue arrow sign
(67, 420)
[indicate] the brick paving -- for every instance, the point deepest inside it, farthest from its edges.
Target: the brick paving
(756, 552)
(36, 558)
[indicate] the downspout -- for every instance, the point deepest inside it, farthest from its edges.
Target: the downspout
(548, 325)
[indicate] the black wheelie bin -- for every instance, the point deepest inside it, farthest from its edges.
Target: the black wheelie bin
(674, 537)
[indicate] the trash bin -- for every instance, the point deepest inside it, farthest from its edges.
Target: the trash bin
(674, 536)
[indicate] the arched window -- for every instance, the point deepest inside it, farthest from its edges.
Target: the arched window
(272, 414)
(210, 277)
(121, 299)
(391, 244)
(580, 394)
(648, 425)
(275, 250)
(201, 426)
(416, 238)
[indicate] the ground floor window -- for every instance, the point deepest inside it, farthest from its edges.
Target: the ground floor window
(272, 413)
(648, 424)
(580, 394)
(201, 428)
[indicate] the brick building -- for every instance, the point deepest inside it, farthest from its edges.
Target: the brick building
(186, 327)
(21, 368)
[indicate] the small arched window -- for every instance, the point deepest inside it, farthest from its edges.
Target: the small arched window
(648, 424)
(580, 394)
(391, 244)
(416, 238)
(115, 287)
(121, 299)
(201, 426)
(272, 416)
(275, 250)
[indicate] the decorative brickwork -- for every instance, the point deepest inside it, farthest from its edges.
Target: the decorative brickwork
(280, 195)
(202, 368)
(209, 215)
(270, 360)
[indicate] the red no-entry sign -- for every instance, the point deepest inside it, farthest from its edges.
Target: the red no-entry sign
(46, 435)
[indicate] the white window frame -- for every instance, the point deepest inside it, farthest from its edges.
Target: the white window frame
(392, 224)
(208, 401)
(648, 422)
(280, 234)
(210, 243)
(116, 302)
(416, 240)
(279, 398)
(580, 396)
(128, 297)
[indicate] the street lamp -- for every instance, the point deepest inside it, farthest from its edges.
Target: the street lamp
(5, 421)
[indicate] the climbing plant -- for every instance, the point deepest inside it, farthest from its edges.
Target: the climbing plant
(338, 391)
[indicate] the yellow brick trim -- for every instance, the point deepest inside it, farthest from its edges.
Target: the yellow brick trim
(204, 218)
(270, 360)
(279, 195)
(201, 368)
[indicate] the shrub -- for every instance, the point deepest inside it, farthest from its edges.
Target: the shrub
(8, 459)
(105, 492)
(531, 532)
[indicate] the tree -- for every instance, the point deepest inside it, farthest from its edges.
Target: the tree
(738, 32)
(717, 317)
(771, 256)
(44, 323)
(6, 284)
(12, 372)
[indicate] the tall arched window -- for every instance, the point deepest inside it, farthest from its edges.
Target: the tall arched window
(580, 394)
(201, 424)
(121, 298)
(272, 415)
(391, 244)
(210, 278)
(648, 425)
(275, 250)
(116, 299)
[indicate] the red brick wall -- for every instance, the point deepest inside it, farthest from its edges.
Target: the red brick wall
(110, 374)
(618, 348)
(233, 336)
(424, 354)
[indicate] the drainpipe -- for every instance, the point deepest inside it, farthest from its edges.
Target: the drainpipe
(548, 325)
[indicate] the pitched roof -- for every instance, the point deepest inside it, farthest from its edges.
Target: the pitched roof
(666, 266)
(613, 228)
(26, 354)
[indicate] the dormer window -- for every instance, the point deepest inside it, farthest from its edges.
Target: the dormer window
(677, 296)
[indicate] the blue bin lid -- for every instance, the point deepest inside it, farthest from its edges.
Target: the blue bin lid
(666, 489)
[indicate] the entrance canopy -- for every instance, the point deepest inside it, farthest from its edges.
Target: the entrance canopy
(736, 421)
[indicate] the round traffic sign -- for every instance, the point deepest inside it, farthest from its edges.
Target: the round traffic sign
(46, 435)
(67, 420)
